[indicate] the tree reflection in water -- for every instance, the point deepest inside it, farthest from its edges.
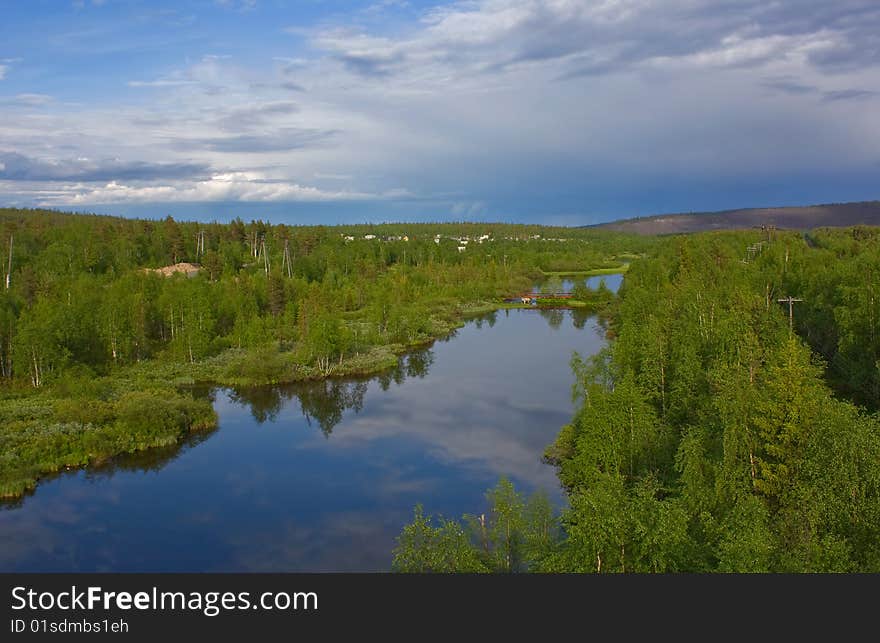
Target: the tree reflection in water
(554, 317)
(326, 401)
(489, 318)
(579, 317)
(260, 495)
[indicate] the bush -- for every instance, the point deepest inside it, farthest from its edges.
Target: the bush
(84, 411)
(264, 365)
(159, 414)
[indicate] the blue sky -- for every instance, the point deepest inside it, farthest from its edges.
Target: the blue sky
(558, 111)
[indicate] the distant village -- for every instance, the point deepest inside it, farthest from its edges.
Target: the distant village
(460, 241)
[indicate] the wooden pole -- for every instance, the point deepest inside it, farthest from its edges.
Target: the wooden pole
(200, 244)
(285, 260)
(791, 301)
(9, 270)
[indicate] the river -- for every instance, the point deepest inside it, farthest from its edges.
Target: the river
(321, 476)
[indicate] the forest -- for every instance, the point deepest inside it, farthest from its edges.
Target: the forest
(730, 425)
(107, 323)
(725, 428)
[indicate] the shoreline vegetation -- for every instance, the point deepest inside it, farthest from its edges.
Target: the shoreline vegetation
(621, 268)
(723, 429)
(99, 343)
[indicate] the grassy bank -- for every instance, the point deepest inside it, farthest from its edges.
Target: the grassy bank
(47, 433)
(83, 420)
(593, 272)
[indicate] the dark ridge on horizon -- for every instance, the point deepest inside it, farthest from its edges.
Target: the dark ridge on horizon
(782, 217)
(786, 217)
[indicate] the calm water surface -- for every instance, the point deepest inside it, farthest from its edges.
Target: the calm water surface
(612, 282)
(320, 477)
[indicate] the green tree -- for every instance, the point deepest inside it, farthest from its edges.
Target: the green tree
(501, 535)
(424, 547)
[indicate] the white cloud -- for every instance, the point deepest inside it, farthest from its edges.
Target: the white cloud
(332, 177)
(5, 64)
(238, 5)
(160, 82)
(211, 69)
(384, 5)
(28, 100)
(232, 186)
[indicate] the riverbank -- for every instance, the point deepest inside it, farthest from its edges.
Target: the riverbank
(144, 406)
(86, 420)
(308, 454)
(594, 272)
(43, 434)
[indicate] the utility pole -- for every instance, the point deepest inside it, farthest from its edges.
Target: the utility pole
(285, 260)
(200, 244)
(755, 249)
(769, 228)
(9, 270)
(265, 254)
(791, 301)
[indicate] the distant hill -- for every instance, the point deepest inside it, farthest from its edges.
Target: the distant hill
(791, 218)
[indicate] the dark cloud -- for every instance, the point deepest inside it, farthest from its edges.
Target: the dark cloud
(788, 85)
(848, 94)
(371, 66)
(613, 42)
(248, 117)
(18, 167)
(853, 27)
(589, 39)
(278, 141)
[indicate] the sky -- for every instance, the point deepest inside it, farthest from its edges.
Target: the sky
(564, 112)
